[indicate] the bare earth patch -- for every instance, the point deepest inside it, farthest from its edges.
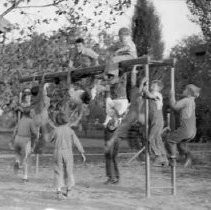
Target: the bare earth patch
(193, 188)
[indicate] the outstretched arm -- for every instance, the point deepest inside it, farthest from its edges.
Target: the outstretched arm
(76, 122)
(77, 142)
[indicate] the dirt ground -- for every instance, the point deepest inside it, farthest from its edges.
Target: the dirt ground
(193, 186)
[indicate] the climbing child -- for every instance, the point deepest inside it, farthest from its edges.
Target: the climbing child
(156, 122)
(40, 103)
(126, 50)
(64, 138)
(135, 114)
(187, 129)
(22, 143)
(117, 82)
(116, 100)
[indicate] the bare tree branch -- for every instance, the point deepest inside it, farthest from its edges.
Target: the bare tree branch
(15, 4)
(41, 6)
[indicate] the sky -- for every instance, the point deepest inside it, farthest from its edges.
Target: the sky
(174, 16)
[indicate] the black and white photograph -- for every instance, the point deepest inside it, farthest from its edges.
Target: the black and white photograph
(105, 104)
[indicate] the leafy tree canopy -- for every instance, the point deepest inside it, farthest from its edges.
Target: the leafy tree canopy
(147, 30)
(201, 14)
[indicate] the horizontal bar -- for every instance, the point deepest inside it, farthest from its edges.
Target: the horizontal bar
(166, 62)
(161, 187)
(97, 70)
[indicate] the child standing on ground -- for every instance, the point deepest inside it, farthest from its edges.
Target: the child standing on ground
(64, 138)
(22, 143)
(187, 129)
(156, 122)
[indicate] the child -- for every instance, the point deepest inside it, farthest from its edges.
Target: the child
(126, 51)
(64, 138)
(40, 103)
(84, 56)
(187, 129)
(156, 122)
(112, 112)
(26, 98)
(135, 113)
(74, 107)
(22, 143)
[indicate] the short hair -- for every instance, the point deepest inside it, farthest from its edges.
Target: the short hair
(124, 31)
(85, 97)
(57, 80)
(35, 90)
(61, 119)
(79, 40)
(159, 83)
(193, 90)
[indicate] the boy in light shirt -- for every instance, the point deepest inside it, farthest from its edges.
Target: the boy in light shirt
(156, 122)
(126, 50)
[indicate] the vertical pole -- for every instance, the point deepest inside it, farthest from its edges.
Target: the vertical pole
(168, 119)
(147, 169)
(20, 100)
(173, 165)
(37, 164)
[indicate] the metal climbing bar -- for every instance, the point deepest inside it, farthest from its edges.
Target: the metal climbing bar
(147, 163)
(173, 165)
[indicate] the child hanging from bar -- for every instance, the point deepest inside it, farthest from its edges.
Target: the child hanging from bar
(135, 114)
(116, 99)
(40, 103)
(64, 138)
(22, 143)
(156, 122)
(187, 129)
(79, 98)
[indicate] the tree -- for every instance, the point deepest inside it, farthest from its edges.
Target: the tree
(201, 14)
(192, 69)
(147, 30)
(78, 13)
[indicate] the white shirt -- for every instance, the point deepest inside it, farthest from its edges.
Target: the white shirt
(159, 100)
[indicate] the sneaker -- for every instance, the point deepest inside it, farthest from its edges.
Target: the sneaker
(108, 181)
(25, 180)
(60, 195)
(114, 181)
